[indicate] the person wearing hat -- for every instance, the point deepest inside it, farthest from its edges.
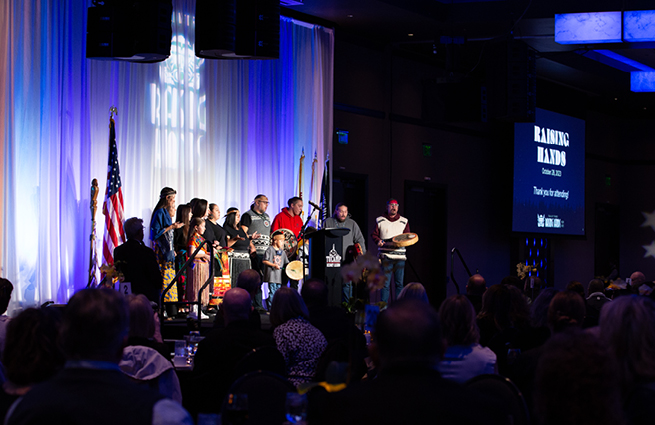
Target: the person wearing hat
(393, 257)
(161, 234)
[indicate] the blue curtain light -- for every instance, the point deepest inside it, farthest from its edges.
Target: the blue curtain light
(219, 130)
(642, 81)
(595, 27)
(639, 25)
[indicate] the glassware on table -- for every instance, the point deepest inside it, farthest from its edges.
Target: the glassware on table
(236, 409)
(296, 408)
(180, 348)
(192, 341)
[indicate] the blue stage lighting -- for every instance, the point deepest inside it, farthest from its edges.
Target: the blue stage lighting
(639, 25)
(595, 27)
(642, 81)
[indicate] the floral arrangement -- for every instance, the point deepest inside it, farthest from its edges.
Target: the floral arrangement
(110, 275)
(523, 270)
(367, 268)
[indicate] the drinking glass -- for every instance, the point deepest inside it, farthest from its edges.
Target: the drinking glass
(296, 408)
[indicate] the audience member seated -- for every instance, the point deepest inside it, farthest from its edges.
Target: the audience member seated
(577, 382)
(627, 327)
(6, 288)
(504, 322)
(143, 325)
(475, 288)
(138, 263)
(146, 366)
(32, 353)
(539, 318)
(595, 301)
(146, 360)
(512, 281)
(575, 286)
(414, 291)
(464, 358)
(251, 281)
(334, 324)
(221, 350)
(637, 280)
(408, 390)
(566, 310)
(91, 389)
(532, 286)
(300, 343)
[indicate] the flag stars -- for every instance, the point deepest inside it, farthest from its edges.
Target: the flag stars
(650, 250)
(649, 220)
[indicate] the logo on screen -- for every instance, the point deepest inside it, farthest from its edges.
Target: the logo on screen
(541, 220)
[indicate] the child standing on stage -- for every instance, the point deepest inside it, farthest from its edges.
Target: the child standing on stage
(274, 261)
(197, 274)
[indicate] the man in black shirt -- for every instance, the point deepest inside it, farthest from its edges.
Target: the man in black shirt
(138, 263)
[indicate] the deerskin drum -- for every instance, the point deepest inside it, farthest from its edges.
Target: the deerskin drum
(405, 239)
(294, 270)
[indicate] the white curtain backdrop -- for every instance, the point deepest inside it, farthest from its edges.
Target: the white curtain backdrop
(220, 130)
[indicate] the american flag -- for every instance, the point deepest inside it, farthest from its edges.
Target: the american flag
(113, 205)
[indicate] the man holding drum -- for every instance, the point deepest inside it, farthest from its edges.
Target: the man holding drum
(289, 217)
(392, 256)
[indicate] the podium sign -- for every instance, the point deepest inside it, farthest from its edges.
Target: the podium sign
(325, 257)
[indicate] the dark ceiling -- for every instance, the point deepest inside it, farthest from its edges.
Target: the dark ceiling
(479, 25)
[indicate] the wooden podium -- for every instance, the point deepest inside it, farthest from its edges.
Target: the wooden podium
(325, 257)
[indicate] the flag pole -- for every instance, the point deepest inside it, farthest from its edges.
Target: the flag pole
(93, 260)
(112, 207)
(302, 159)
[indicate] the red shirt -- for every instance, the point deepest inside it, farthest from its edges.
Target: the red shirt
(284, 220)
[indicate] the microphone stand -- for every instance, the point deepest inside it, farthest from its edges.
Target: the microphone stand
(301, 236)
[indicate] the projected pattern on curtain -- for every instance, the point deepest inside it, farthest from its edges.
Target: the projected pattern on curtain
(220, 130)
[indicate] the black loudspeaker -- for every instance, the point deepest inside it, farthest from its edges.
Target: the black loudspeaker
(129, 30)
(238, 29)
(512, 81)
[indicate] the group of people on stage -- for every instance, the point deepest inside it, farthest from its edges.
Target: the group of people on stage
(249, 241)
(177, 233)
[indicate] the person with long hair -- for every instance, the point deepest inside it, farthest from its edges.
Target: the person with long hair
(161, 235)
(464, 358)
(180, 238)
(300, 343)
(627, 327)
(240, 254)
(577, 382)
(200, 209)
(565, 312)
(198, 273)
(504, 322)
